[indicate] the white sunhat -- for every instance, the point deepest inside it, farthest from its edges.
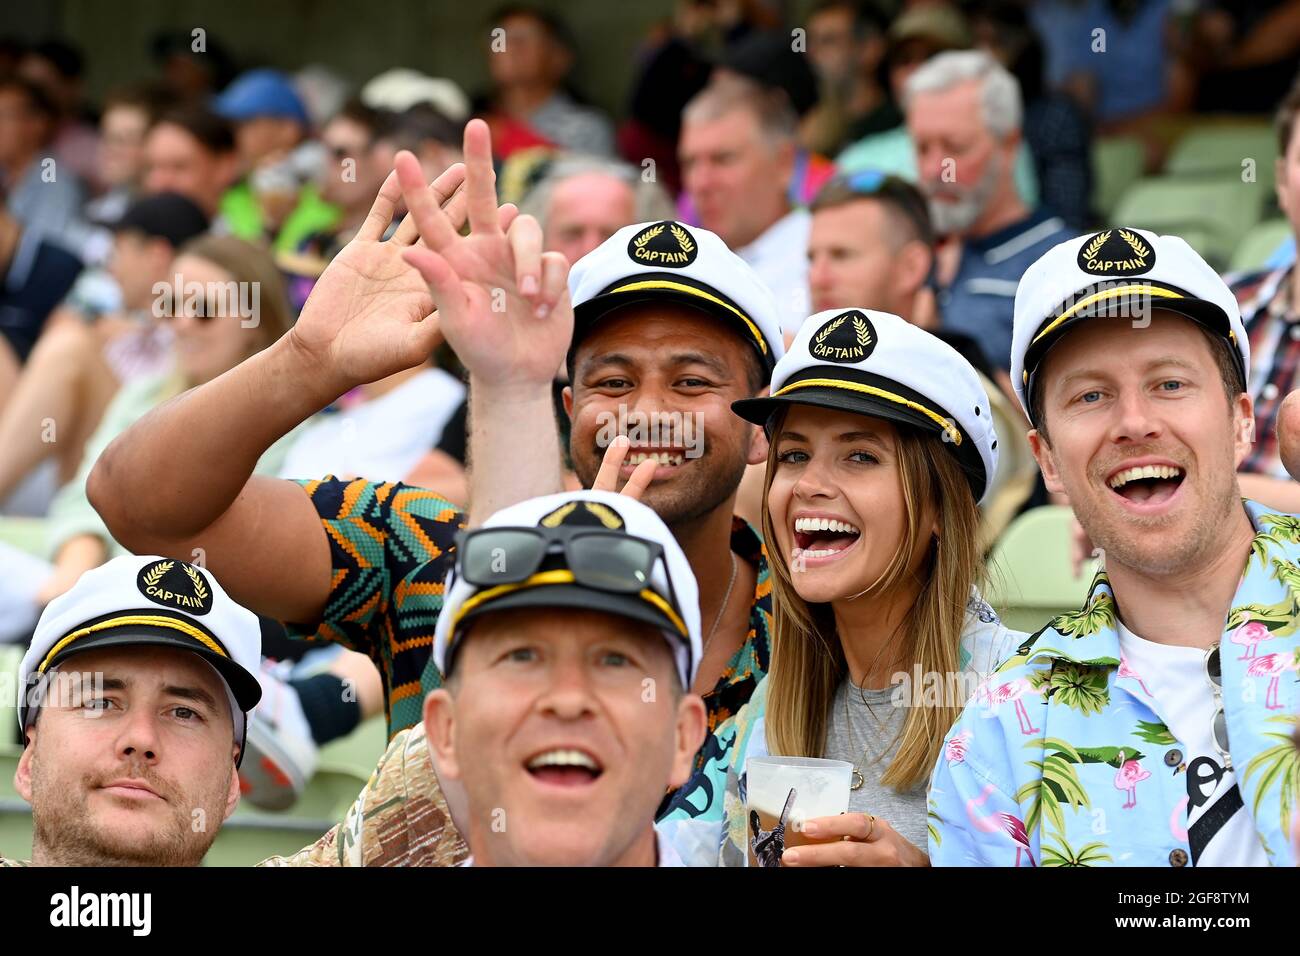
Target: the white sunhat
(612, 571)
(670, 260)
(877, 364)
(1111, 274)
(149, 600)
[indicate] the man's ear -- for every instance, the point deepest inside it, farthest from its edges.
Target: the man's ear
(232, 798)
(567, 395)
(1243, 427)
(911, 266)
(692, 724)
(23, 775)
(758, 444)
(439, 728)
(1046, 461)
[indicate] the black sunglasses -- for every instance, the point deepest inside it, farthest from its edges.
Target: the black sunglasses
(609, 561)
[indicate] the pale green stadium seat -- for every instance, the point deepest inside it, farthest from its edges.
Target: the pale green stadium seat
(1211, 213)
(1259, 244)
(1221, 149)
(1117, 163)
(1031, 578)
(25, 534)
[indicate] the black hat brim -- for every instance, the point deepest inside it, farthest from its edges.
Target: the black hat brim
(1204, 313)
(243, 685)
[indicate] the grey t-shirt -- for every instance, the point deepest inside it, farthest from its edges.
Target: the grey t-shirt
(869, 721)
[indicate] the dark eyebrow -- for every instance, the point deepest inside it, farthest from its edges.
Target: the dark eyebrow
(194, 694)
(870, 438)
(716, 365)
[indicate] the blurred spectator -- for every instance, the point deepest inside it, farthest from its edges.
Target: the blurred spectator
(872, 246)
(42, 196)
(434, 138)
(1112, 56)
(76, 367)
(964, 114)
(582, 201)
(123, 125)
(1245, 53)
(846, 45)
(277, 201)
(916, 35)
(193, 67)
(57, 68)
(529, 63)
(191, 150)
(398, 90)
(1270, 309)
(323, 92)
(1055, 128)
(37, 274)
(737, 153)
(767, 59)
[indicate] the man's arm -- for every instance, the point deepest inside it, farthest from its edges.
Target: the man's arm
(179, 482)
(1280, 494)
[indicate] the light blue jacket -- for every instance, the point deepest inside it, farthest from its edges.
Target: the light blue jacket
(1063, 759)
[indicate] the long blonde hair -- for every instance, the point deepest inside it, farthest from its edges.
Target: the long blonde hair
(808, 663)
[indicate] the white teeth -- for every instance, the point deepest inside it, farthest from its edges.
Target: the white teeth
(1143, 471)
(825, 524)
(662, 458)
(563, 758)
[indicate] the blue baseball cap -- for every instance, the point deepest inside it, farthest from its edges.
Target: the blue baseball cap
(261, 93)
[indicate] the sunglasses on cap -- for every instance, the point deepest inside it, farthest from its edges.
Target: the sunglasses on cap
(608, 561)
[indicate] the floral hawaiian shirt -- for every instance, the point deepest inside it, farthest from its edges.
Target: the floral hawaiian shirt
(1063, 759)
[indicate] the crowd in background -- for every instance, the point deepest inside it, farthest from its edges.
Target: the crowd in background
(915, 157)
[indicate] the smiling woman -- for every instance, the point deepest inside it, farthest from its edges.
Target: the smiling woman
(881, 444)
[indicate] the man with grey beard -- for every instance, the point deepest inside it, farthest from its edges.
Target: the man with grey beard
(963, 112)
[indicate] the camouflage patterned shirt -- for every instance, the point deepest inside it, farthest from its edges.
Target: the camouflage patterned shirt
(400, 818)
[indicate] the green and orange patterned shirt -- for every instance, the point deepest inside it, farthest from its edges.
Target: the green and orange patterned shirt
(391, 546)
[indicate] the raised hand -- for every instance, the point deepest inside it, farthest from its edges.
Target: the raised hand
(503, 304)
(369, 314)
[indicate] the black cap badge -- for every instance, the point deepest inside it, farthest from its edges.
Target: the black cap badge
(176, 585)
(1116, 252)
(848, 338)
(663, 244)
(590, 513)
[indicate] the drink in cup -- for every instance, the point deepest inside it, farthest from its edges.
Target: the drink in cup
(783, 792)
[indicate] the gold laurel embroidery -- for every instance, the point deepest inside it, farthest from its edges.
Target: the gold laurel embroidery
(553, 519)
(1134, 243)
(154, 574)
(860, 327)
(200, 591)
(646, 236)
(1094, 247)
(821, 336)
(607, 517)
(683, 238)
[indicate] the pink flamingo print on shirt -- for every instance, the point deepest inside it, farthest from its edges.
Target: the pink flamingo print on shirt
(1011, 692)
(955, 749)
(1126, 671)
(1129, 775)
(999, 822)
(1274, 666)
(1249, 636)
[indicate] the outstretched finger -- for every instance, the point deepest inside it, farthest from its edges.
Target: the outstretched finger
(430, 220)
(381, 212)
(480, 179)
(640, 479)
(615, 453)
(447, 191)
(525, 238)
(444, 284)
(555, 282)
